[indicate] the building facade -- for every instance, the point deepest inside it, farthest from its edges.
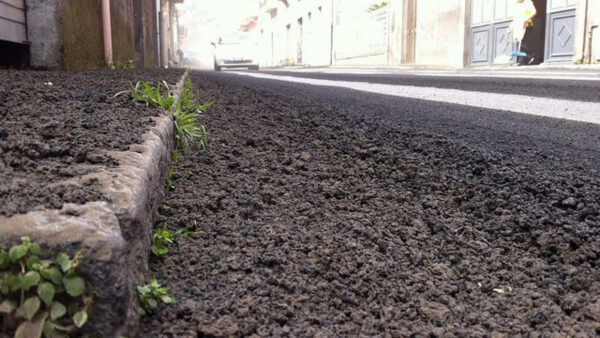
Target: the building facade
(295, 32)
(449, 33)
(564, 31)
(70, 34)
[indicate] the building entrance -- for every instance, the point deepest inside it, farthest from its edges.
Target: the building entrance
(490, 42)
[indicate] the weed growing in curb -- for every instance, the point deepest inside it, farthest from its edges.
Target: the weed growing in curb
(189, 100)
(162, 238)
(189, 133)
(188, 130)
(163, 209)
(150, 296)
(174, 156)
(158, 95)
(188, 230)
(169, 186)
(187, 127)
(39, 296)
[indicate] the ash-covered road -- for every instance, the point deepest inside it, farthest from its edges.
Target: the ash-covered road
(327, 211)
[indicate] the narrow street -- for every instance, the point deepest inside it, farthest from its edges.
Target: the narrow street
(326, 211)
(300, 168)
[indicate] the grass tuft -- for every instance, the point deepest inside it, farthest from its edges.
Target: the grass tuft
(158, 95)
(189, 132)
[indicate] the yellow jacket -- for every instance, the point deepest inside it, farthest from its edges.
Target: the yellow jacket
(525, 12)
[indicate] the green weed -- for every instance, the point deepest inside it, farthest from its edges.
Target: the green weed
(188, 130)
(150, 295)
(162, 238)
(188, 97)
(154, 95)
(163, 209)
(174, 156)
(169, 186)
(40, 296)
(188, 230)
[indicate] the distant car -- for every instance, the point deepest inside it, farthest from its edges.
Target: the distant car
(236, 51)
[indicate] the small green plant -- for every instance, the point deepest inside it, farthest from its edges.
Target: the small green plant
(189, 100)
(188, 130)
(174, 156)
(41, 297)
(169, 186)
(150, 296)
(162, 238)
(154, 95)
(188, 230)
(187, 127)
(188, 97)
(163, 209)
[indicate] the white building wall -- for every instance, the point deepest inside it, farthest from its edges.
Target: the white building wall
(440, 32)
(313, 37)
(583, 34)
(595, 22)
(361, 36)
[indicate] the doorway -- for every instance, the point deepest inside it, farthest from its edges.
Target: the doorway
(560, 30)
(491, 44)
(535, 40)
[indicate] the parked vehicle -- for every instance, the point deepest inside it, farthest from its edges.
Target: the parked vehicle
(238, 50)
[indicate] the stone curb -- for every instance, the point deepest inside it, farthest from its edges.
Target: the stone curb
(115, 235)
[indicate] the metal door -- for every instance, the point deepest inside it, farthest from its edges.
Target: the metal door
(490, 44)
(560, 30)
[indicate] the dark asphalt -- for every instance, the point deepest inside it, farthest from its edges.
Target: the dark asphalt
(536, 141)
(586, 91)
(325, 211)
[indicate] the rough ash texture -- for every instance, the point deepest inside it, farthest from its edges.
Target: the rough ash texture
(327, 212)
(50, 133)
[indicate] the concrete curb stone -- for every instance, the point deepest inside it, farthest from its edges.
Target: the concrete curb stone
(115, 235)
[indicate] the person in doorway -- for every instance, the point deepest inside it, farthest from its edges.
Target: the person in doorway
(521, 27)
